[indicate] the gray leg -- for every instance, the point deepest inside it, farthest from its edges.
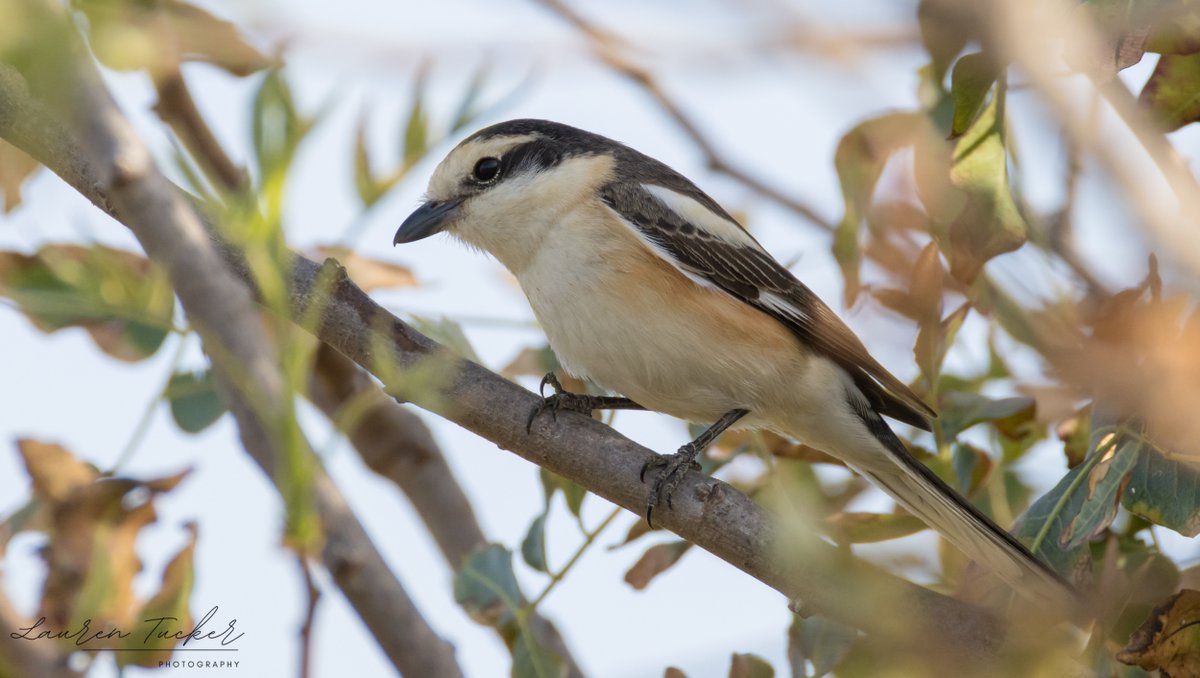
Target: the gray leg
(675, 466)
(574, 402)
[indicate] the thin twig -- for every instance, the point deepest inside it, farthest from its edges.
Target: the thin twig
(609, 49)
(589, 539)
(310, 615)
(177, 108)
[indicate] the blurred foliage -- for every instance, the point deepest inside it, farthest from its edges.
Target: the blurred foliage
(1119, 372)
(486, 588)
(124, 302)
(91, 522)
(159, 35)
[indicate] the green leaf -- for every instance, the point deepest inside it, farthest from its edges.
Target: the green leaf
(531, 659)
(984, 221)
(447, 332)
(277, 127)
(364, 182)
(573, 494)
(1172, 94)
(1105, 483)
(416, 128)
(487, 590)
(848, 527)
(970, 83)
(750, 666)
(818, 641)
(195, 402)
(124, 302)
(961, 410)
(971, 465)
(1082, 504)
(1165, 491)
(486, 587)
(533, 547)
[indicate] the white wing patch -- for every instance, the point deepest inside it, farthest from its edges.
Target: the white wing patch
(783, 307)
(701, 217)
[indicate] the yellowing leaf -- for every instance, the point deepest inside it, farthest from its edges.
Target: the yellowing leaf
(171, 601)
(1169, 641)
(15, 167)
(970, 83)
(987, 223)
(158, 35)
(1173, 91)
(124, 302)
(55, 472)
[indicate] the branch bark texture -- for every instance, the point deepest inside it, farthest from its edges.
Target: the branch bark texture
(87, 141)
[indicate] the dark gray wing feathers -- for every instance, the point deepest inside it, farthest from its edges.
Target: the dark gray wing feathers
(751, 275)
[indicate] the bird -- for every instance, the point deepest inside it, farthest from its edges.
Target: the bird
(647, 287)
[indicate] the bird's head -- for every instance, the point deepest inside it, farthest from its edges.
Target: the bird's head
(505, 186)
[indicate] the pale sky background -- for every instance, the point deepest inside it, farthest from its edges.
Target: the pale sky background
(778, 114)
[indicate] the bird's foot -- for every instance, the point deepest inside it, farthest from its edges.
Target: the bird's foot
(559, 400)
(672, 469)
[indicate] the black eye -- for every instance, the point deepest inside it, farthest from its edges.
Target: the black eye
(487, 169)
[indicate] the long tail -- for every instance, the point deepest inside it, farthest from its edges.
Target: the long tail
(926, 496)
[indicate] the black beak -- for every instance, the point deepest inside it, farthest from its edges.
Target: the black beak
(429, 218)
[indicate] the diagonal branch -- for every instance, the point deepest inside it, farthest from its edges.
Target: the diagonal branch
(708, 512)
(397, 445)
(392, 441)
(98, 153)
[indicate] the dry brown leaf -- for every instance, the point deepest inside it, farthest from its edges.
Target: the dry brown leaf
(1169, 641)
(656, 560)
(93, 523)
(367, 273)
(55, 472)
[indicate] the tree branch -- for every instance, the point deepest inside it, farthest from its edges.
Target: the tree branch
(708, 512)
(360, 571)
(177, 108)
(99, 154)
(397, 445)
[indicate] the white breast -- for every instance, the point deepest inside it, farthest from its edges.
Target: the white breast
(615, 314)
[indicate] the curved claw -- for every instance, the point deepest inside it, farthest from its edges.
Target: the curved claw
(674, 469)
(556, 401)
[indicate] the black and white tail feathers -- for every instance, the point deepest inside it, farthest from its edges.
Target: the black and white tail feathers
(928, 497)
